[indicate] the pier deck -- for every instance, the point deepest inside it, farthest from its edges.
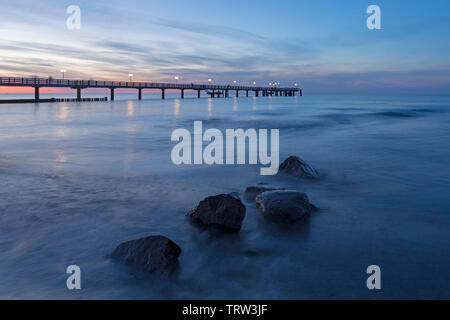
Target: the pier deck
(212, 90)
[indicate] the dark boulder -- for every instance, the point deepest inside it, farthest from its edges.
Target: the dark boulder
(252, 192)
(155, 254)
(298, 168)
(226, 210)
(284, 205)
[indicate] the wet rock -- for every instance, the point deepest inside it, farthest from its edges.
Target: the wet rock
(226, 210)
(154, 254)
(286, 205)
(298, 168)
(252, 192)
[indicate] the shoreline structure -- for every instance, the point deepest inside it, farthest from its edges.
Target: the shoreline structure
(213, 90)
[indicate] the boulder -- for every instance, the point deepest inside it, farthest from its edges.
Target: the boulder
(298, 168)
(155, 254)
(226, 210)
(286, 205)
(253, 191)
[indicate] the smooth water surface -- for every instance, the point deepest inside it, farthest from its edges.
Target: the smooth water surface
(77, 179)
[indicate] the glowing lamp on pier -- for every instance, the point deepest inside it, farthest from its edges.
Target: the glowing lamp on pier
(63, 71)
(209, 80)
(254, 83)
(177, 78)
(234, 81)
(131, 76)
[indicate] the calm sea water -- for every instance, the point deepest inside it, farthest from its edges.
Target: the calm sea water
(78, 179)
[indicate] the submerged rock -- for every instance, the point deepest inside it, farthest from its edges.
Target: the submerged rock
(298, 168)
(226, 210)
(286, 205)
(253, 191)
(154, 254)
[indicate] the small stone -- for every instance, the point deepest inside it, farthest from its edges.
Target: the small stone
(286, 205)
(226, 210)
(298, 168)
(154, 254)
(252, 192)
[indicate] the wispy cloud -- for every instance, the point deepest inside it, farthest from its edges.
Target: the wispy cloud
(340, 53)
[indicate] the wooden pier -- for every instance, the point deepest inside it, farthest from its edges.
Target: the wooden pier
(215, 91)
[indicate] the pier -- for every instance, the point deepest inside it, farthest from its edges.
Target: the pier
(214, 91)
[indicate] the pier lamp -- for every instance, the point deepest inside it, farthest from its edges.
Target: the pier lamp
(270, 83)
(254, 83)
(296, 84)
(234, 81)
(176, 79)
(209, 80)
(63, 71)
(131, 77)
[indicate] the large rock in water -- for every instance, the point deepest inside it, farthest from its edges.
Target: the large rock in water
(252, 192)
(155, 254)
(284, 205)
(298, 168)
(225, 210)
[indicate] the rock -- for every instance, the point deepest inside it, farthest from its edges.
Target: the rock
(253, 191)
(155, 254)
(226, 210)
(284, 205)
(298, 168)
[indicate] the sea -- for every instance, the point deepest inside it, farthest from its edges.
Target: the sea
(78, 179)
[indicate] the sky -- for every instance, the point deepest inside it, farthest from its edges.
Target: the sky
(324, 45)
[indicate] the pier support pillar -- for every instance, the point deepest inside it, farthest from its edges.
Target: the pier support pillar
(276, 93)
(140, 93)
(293, 93)
(198, 94)
(182, 93)
(226, 94)
(36, 93)
(256, 93)
(246, 93)
(301, 93)
(237, 93)
(112, 94)
(163, 93)
(213, 95)
(78, 94)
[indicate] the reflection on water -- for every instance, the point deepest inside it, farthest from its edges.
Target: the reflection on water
(210, 108)
(63, 111)
(60, 156)
(62, 132)
(176, 108)
(130, 109)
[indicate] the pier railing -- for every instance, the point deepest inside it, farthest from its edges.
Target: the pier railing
(50, 82)
(212, 90)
